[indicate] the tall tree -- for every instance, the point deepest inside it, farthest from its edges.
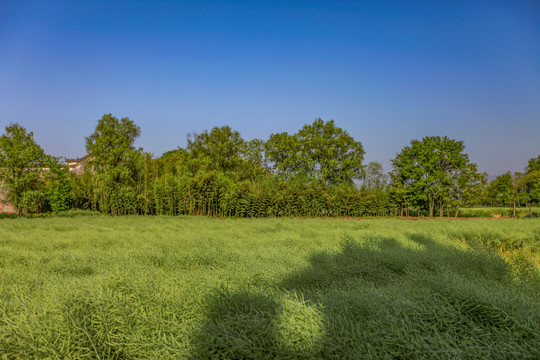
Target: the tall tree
(283, 152)
(111, 145)
(113, 157)
(221, 147)
(374, 176)
(533, 165)
(320, 150)
(22, 164)
(532, 181)
(501, 189)
(254, 160)
(430, 169)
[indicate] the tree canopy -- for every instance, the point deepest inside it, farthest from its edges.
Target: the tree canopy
(430, 169)
(307, 173)
(320, 150)
(111, 145)
(114, 159)
(221, 146)
(22, 163)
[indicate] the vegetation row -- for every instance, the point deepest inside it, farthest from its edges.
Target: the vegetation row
(317, 171)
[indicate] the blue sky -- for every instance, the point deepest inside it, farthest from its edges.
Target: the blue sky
(385, 71)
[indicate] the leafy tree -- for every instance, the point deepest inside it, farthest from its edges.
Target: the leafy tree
(111, 145)
(469, 187)
(59, 187)
(533, 185)
(321, 150)
(283, 151)
(374, 176)
(22, 164)
(531, 181)
(331, 153)
(221, 148)
(255, 162)
(431, 169)
(474, 190)
(533, 165)
(501, 189)
(113, 157)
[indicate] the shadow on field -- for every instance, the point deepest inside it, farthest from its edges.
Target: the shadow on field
(377, 299)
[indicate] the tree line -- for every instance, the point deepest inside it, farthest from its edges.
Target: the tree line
(317, 171)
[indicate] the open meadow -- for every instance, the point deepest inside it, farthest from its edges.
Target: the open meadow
(99, 287)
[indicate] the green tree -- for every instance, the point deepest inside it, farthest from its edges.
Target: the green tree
(219, 149)
(111, 145)
(59, 187)
(374, 176)
(468, 188)
(532, 181)
(431, 169)
(283, 151)
(114, 159)
(533, 165)
(501, 189)
(255, 163)
(321, 151)
(22, 165)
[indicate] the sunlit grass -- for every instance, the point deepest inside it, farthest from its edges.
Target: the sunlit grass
(521, 212)
(195, 287)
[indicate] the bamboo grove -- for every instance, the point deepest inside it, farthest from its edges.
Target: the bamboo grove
(315, 172)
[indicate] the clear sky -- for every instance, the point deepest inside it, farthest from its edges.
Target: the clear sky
(385, 71)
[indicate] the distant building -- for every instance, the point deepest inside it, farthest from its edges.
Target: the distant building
(77, 165)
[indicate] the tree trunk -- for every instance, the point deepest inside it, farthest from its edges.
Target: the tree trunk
(530, 212)
(457, 210)
(514, 212)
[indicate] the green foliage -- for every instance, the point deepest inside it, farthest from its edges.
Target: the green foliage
(501, 190)
(221, 147)
(433, 171)
(114, 160)
(531, 180)
(374, 176)
(497, 212)
(309, 173)
(22, 164)
(201, 288)
(111, 145)
(60, 187)
(255, 162)
(321, 151)
(533, 165)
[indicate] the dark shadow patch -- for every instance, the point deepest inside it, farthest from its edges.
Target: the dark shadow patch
(379, 300)
(239, 325)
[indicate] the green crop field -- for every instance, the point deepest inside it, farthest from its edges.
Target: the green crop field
(97, 287)
(521, 212)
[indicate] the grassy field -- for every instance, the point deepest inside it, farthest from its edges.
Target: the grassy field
(521, 212)
(198, 288)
